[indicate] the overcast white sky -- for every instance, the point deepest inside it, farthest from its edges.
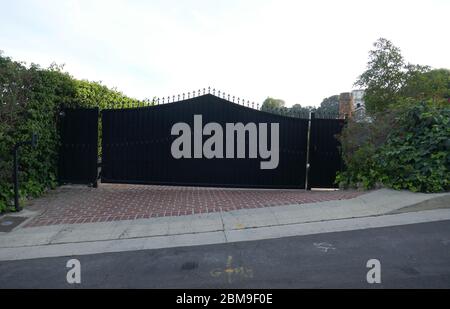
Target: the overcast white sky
(299, 51)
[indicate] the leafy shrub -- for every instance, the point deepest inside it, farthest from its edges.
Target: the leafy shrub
(30, 101)
(407, 148)
(417, 156)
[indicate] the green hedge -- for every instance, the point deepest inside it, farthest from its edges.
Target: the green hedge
(30, 101)
(406, 148)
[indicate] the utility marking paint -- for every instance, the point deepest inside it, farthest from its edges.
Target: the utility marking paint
(324, 246)
(230, 272)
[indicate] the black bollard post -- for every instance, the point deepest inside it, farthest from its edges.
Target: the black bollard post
(16, 179)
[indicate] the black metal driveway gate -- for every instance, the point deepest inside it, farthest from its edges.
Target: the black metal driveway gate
(79, 146)
(324, 155)
(137, 142)
(136, 146)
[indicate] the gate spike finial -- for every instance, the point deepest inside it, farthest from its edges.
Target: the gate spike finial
(204, 91)
(163, 100)
(189, 94)
(173, 98)
(218, 93)
(178, 97)
(183, 95)
(228, 97)
(158, 101)
(233, 99)
(214, 91)
(239, 100)
(209, 89)
(257, 106)
(198, 93)
(253, 105)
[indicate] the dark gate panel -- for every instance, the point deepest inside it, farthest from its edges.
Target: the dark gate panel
(79, 146)
(136, 147)
(325, 159)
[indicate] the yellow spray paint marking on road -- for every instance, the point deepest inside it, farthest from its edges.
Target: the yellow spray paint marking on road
(230, 272)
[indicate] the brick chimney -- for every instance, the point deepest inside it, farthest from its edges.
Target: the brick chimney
(345, 105)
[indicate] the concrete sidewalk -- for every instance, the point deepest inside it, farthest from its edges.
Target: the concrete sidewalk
(238, 225)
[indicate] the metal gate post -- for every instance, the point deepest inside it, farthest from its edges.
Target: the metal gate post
(308, 141)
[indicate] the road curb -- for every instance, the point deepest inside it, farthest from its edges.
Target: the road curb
(220, 237)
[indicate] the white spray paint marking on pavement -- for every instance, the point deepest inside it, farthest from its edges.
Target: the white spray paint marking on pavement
(324, 246)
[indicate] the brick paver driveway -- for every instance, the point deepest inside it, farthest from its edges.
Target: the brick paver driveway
(77, 204)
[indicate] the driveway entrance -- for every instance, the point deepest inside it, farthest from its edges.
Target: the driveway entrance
(114, 202)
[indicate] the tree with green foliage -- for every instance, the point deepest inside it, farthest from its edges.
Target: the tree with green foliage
(433, 84)
(407, 143)
(385, 76)
(272, 104)
(329, 106)
(301, 111)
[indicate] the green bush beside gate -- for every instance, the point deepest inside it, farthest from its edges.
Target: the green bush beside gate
(405, 144)
(407, 148)
(30, 100)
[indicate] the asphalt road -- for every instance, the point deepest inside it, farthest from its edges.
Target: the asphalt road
(411, 256)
